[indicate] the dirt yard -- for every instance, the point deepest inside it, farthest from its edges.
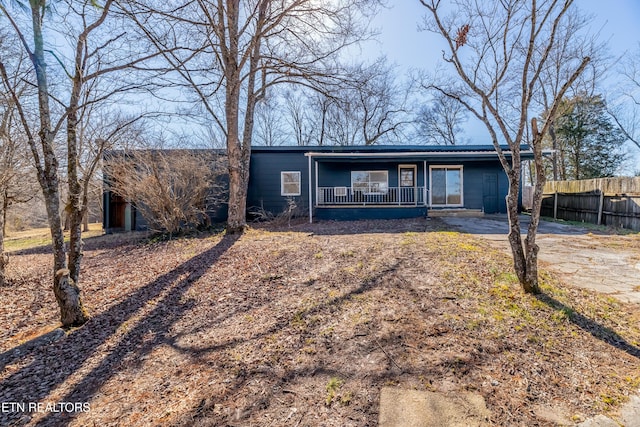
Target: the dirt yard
(302, 326)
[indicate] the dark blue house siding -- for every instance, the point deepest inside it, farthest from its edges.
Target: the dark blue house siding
(473, 173)
(482, 172)
(382, 212)
(264, 180)
(485, 184)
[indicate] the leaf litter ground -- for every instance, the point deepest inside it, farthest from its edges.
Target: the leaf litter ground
(302, 325)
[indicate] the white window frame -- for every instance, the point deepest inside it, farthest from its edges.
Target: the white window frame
(446, 167)
(415, 175)
(370, 188)
(282, 183)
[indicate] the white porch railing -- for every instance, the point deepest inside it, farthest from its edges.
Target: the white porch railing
(400, 196)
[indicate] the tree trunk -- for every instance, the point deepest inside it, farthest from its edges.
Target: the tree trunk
(525, 263)
(554, 145)
(237, 219)
(3, 257)
(531, 248)
(72, 313)
(74, 209)
(236, 222)
(67, 294)
(5, 208)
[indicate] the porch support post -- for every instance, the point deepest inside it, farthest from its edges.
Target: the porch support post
(310, 194)
(317, 189)
(424, 184)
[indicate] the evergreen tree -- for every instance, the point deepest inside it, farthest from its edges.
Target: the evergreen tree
(589, 144)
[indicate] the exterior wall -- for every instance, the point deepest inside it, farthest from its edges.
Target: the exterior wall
(384, 212)
(264, 181)
(264, 192)
(473, 191)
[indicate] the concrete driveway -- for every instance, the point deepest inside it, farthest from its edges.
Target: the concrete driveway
(609, 264)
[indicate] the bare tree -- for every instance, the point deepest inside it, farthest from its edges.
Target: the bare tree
(10, 143)
(42, 147)
(322, 105)
(498, 51)
(367, 109)
(297, 112)
(270, 129)
(341, 120)
(8, 148)
(441, 122)
(573, 43)
(233, 50)
(380, 102)
(93, 57)
(625, 110)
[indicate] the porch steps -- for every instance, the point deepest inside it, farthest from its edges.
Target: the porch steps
(455, 212)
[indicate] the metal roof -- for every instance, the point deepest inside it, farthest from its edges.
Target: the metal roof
(393, 150)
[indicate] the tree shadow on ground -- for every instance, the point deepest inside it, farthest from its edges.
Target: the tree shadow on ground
(80, 344)
(597, 330)
(102, 242)
(278, 378)
(333, 228)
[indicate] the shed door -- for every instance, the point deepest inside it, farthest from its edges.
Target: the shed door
(490, 193)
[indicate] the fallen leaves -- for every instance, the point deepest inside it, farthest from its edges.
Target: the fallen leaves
(213, 331)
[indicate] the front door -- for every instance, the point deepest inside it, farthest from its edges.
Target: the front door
(407, 184)
(490, 193)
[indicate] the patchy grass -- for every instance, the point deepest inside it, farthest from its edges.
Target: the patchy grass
(304, 325)
(37, 237)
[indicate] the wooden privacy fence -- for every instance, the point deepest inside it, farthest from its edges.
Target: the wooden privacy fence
(607, 201)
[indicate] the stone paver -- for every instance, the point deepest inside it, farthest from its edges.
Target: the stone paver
(413, 408)
(573, 252)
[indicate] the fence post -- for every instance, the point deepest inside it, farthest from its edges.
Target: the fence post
(555, 205)
(600, 207)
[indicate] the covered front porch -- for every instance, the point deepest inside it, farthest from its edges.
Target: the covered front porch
(367, 185)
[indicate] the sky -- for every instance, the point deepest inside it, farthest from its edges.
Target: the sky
(616, 21)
